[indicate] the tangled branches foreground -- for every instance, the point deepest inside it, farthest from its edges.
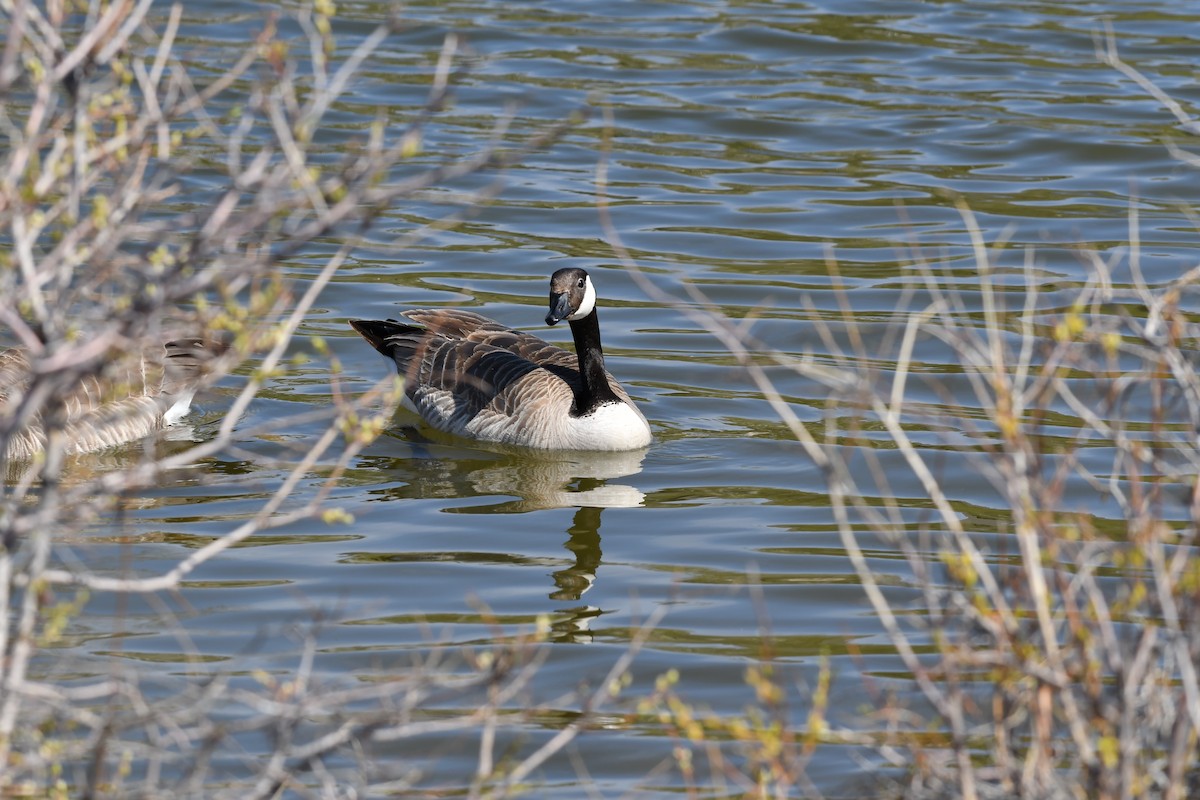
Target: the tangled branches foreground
(1052, 643)
(1054, 637)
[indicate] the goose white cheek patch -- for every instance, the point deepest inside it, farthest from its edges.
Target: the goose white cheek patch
(589, 302)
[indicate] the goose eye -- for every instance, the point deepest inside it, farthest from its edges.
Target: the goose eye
(582, 282)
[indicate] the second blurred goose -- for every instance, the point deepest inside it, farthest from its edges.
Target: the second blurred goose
(123, 404)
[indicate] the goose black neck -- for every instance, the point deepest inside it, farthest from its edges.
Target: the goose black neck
(594, 389)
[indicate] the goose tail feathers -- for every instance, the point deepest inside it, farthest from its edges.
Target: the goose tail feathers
(379, 332)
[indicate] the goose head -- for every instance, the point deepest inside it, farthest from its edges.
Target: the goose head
(572, 296)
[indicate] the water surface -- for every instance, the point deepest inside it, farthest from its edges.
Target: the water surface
(753, 144)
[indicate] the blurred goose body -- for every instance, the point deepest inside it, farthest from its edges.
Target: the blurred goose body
(120, 405)
(470, 376)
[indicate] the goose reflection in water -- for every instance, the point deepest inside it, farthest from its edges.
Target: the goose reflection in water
(589, 482)
(535, 481)
(584, 544)
(559, 480)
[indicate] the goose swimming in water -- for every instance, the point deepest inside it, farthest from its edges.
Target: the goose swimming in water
(120, 405)
(470, 376)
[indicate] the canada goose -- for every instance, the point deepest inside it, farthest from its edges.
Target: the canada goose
(468, 375)
(126, 402)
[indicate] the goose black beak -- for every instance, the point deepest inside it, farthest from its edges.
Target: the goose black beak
(560, 308)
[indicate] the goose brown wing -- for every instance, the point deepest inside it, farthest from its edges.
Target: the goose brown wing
(462, 380)
(451, 378)
(467, 325)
